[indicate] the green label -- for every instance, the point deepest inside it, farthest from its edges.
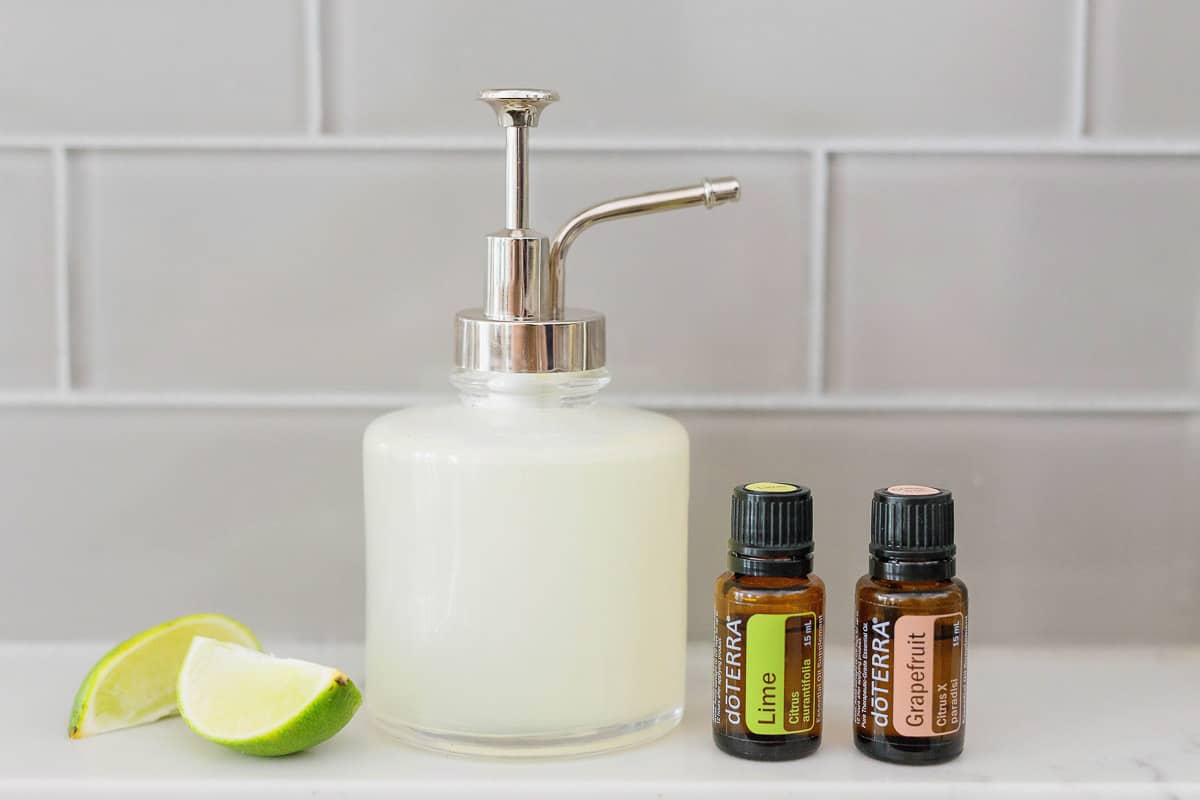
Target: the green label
(781, 664)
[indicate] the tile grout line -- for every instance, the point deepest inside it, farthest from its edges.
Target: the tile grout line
(62, 272)
(314, 69)
(791, 401)
(818, 271)
(1081, 146)
(1079, 66)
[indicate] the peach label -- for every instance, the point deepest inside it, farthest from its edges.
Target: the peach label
(928, 675)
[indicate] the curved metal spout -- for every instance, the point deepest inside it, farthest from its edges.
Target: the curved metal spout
(709, 193)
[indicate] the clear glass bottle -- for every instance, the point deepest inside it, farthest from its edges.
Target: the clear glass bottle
(526, 548)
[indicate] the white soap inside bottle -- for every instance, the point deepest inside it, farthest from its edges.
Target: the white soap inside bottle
(526, 569)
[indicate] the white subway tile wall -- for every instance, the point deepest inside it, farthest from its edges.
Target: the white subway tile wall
(1012, 273)
(336, 271)
(735, 67)
(150, 66)
(967, 254)
(26, 271)
(274, 271)
(1070, 527)
(1147, 68)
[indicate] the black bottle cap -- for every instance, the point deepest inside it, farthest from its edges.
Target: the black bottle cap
(913, 525)
(771, 530)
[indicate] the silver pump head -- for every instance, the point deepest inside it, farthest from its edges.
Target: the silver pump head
(524, 325)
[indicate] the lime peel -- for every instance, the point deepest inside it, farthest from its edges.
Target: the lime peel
(134, 683)
(261, 705)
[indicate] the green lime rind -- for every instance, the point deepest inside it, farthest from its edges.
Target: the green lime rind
(331, 711)
(80, 726)
(259, 704)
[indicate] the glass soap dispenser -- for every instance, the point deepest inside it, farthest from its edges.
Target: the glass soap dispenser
(526, 548)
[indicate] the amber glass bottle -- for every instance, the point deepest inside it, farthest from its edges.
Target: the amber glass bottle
(768, 650)
(910, 645)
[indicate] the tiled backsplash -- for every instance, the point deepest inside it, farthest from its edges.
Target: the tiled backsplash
(968, 254)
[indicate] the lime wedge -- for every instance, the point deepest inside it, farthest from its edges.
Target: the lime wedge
(262, 705)
(135, 682)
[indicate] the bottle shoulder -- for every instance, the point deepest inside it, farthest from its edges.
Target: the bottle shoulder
(934, 595)
(397, 423)
(652, 419)
(747, 589)
(454, 427)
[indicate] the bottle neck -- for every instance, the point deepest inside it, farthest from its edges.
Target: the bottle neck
(794, 565)
(528, 390)
(893, 569)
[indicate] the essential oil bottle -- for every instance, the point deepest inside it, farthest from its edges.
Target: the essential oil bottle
(769, 648)
(910, 632)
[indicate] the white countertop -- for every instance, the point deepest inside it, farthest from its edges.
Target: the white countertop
(1085, 722)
